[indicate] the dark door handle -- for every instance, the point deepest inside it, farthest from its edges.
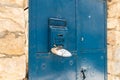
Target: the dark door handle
(83, 74)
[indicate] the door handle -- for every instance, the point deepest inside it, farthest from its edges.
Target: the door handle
(83, 74)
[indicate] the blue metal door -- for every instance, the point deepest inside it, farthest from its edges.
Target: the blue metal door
(79, 26)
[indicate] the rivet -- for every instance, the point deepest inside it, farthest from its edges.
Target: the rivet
(71, 62)
(82, 38)
(89, 17)
(43, 66)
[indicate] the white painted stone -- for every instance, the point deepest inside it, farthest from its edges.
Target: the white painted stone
(12, 68)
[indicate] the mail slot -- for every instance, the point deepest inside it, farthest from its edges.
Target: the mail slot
(57, 32)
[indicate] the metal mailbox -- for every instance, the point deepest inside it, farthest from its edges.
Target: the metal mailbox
(79, 26)
(57, 32)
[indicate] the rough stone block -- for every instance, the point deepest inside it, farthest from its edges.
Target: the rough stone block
(2, 55)
(114, 10)
(12, 3)
(25, 3)
(111, 37)
(26, 33)
(115, 68)
(112, 77)
(118, 38)
(116, 55)
(12, 19)
(13, 68)
(110, 53)
(110, 63)
(113, 23)
(12, 43)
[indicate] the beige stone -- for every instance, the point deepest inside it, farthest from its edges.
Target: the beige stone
(26, 15)
(114, 39)
(10, 25)
(110, 53)
(25, 3)
(109, 77)
(113, 23)
(111, 2)
(114, 10)
(26, 33)
(12, 19)
(115, 68)
(117, 55)
(13, 35)
(12, 28)
(111, 37)
(12, 68)
(110, 63)
(2, 55)
(112, 77)
(118, 27)
(12, 43)
(116, 78)
(12, 3)
(118, 38)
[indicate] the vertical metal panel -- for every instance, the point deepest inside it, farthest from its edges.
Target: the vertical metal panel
(91, 24)
(91, 40)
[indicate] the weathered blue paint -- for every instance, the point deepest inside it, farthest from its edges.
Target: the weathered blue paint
(80, 27)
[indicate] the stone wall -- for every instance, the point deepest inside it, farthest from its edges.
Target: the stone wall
(114, 39)
(14, 39)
